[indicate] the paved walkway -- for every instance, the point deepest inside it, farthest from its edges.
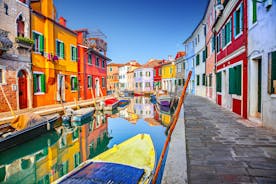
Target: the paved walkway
(222, 148)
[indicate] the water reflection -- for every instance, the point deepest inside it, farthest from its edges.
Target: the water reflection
(54, 154)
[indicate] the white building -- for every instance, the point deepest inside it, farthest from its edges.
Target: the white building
(123, 77)
(262, 62)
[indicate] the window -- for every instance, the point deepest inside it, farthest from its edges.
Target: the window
(89, 81)
(63, 169)
(73, 53)
(90, 59)
(210, 80)
(235, 80)
(203, 79)
(103, 63)
(198, 38)
(2, 75)
(6, 7)
(254, 11)
(44, 179)
(136, 84)
(227, 33)
(197, 80)
(272, 73)
(38, 42)
(218, 78)
(39, 83)
(238, 20)
(77, 159)
(134, 74)
(197, 59)
(103, 82)
(147, 84)
(141, 74)
(179, 82)
(60, 49)
(97, 61)
(74, 83)
(218, 42)
(213, 44)
(110, 69)
(204, 55)
(20, 26)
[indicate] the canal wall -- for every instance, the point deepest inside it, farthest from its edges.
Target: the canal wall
(175, 170)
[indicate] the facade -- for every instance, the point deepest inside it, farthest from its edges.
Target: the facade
(190, 63)
(231, 57)
(200, 59)
(92, 65)
(143, 79)
(142, 107)
(128, 67)
(113, 76)
(54, 56)
(262, 62)
(15, 56)
(130, 81)
(209, 21)
(180, 70)
(169, 77)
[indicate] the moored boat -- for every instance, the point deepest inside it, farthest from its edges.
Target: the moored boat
(164, 100)
(132, 161)
(110, 104)
(82, 115)
(24, 128)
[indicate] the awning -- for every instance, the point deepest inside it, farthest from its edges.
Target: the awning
(5, 42)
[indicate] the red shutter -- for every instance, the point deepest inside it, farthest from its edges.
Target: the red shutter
(20, 28)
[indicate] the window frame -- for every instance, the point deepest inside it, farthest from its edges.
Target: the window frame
(60, 54)
(75, 89)
(73, 58)
(39, 50)
(89, 85)
(40, 92)
(4, 71)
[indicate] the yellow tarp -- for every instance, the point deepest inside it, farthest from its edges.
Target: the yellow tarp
(25, 120)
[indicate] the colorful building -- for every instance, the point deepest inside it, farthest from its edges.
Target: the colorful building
(189, 63)
(15, 56)
(92, 65)
(113, 77)
(169, 77)
(143, 107)
(54, 56)
(180, 70)
(156, 65)
(130, 81)
(262, 62)
(209, 20)
(231, 56)
(143, 80)
(128, 67)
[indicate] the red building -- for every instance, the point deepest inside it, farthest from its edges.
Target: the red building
(92, 65)
(231, 51)
(157, 75)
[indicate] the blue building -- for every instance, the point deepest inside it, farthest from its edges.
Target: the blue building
(190, 63)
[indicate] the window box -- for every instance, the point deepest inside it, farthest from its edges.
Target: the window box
(24, 42)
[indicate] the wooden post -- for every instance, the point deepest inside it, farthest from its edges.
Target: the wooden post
(101, 93)
(76, 104)
(93, 98)
(12, 112)
(175, 118)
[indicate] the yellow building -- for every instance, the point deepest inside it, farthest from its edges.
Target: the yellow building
(169, 77)
(54, 58)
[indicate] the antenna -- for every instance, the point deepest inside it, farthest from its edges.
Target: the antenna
(98, 34)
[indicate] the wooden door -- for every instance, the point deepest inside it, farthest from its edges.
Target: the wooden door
(22, 89)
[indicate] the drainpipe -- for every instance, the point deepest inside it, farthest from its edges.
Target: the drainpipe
(31, 59)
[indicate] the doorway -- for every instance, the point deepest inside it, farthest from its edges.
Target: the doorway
(259, 87)
(60, 87)
(22, 89)
(97, 87)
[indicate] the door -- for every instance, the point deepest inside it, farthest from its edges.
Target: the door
(22, 89)
(259, 85)
(97, 87)
(60, 87)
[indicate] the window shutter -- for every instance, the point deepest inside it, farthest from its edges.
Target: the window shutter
(230, 29)
(62, 50)
(273, 70)
(35, 82)
(235, 23)
(42, 83)
(76, 53)
(232, 81)
(254, 4)
(238, 79)
(34, 45)
(57, 48)
(75, 83)
(218, 81)
(41, 44)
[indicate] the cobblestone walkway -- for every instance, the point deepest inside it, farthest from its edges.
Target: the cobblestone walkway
(221, 149)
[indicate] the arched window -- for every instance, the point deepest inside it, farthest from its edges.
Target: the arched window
(20, 26)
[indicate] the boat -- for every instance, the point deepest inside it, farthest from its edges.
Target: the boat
(164, 100)
(132, 161)
(77, 117)
(24, 128)
(110, 104)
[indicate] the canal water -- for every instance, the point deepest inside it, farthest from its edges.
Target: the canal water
(52, 155)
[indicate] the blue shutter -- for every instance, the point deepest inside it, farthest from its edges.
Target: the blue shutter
(230, 29)
(241, 17)
(235, 24)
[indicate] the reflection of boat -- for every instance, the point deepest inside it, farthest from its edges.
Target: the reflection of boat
(138, 94)
(110, 104)
(25, 128)
(82, 115)
(163, 116)
(129, 162)
(153, 99)
(164, 100)
(123, 104)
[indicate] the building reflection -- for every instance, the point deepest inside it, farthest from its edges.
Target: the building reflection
(143, 107)
(162, 116)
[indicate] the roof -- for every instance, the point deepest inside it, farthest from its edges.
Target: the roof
(153, 63)
(82, 30)
(115, 64)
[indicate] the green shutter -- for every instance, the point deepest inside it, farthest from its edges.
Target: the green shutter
(61, 50)
(76, 53)
(230, 30)
(241, 17)
(254, 4)
(41, 44)
(42, 82)
(75, 83)
(235, 23)
(35, 82)
(238, 80)
(218, 81)
(232, 81)
(203, 79)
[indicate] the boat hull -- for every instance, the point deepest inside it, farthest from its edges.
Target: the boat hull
(27, 134)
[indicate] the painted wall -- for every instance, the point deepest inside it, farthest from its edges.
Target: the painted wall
(169, 77)
(140, 81)
(260, 44)
(190, 64)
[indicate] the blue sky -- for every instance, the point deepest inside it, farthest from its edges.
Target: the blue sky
(136, 29)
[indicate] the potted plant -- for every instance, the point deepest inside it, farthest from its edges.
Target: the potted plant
(24, 42)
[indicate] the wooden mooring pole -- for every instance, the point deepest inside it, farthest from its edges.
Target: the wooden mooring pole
(180, 103)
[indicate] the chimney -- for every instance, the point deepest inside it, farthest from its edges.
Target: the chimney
(62, 21)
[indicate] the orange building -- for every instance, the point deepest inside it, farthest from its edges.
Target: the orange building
(54, 56)
(113, 76)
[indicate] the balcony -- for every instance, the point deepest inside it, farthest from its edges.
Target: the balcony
(24, 43)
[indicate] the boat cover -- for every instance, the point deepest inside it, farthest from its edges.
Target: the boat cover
(26, 120)
(110, 101)
(105, 172)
